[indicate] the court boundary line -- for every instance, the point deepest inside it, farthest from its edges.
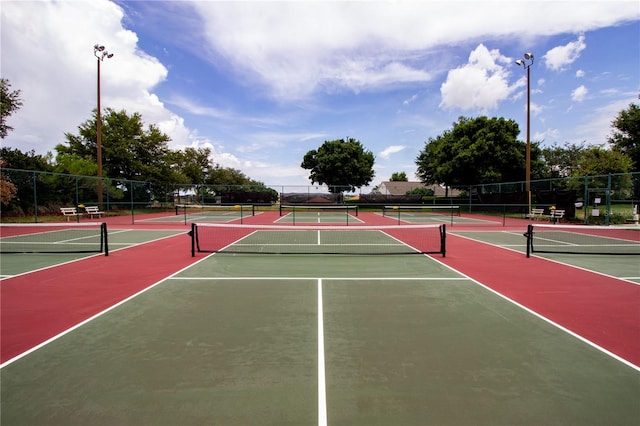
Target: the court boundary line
(317, 278)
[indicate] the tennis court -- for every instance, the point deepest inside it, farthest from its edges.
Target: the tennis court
(313, 337)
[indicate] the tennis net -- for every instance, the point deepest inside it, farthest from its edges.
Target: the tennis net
(420, 212)
(320, 239)
(216, 209)
(67, 237)
(581, 239)
(318, 213)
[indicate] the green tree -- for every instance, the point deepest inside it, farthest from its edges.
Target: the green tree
(10, 102)
(75, 165)
(16, 162)
(399, 177)
(626, 134)
(477, 150)
(342, 164)
(130, 152)
(562, 161)
(596, 161)
(227, 176)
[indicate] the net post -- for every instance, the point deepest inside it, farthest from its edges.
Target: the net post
(443, 240)
(280, 208)
(193, 239)
(529, 236)
(104, 237)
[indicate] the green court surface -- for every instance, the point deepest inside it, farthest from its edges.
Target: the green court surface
(619, 266)
(319, 340)
(20, 263)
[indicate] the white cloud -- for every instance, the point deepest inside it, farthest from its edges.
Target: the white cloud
(297, 48)
(579, 94)
(386, 153)
(596, 126)
(410, 100)
(479, 84)
(580, 73)
(56, 70)
(560, 57)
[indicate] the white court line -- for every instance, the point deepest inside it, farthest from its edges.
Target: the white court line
(322, 388)
(325, 278)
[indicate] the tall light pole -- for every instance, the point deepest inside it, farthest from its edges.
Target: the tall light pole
(526, 62)
(101, 53)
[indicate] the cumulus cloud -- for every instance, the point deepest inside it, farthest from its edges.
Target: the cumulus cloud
(479, 84)
(560, 57)
(296, 49)
(579, 93)
(58, 79)
(386, 153)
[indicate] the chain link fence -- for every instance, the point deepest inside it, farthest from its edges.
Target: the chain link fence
(37, 195)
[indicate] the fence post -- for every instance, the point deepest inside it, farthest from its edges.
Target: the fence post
(35, 198)
(608, 200)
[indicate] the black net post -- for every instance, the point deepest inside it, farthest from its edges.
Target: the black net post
(443, 240)
(104, 237)
(192, 234)
(529, 236)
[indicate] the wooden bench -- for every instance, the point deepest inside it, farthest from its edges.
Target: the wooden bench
(69, 212)
(93, 211)
(535, 214)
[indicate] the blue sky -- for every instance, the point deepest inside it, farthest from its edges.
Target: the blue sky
(261, 83)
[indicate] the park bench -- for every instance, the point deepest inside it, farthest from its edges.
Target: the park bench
(536, 214)
(556, 215)
(93, 211)
(69, 212)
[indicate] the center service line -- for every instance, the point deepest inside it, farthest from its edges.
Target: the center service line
(322, 390)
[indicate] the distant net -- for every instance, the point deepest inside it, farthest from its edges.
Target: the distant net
(229, 210)
(319, 208)
(579, 239)
(319, 213)
(420, 212)
(321, 239)
(68, 237)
